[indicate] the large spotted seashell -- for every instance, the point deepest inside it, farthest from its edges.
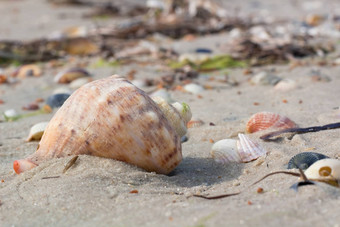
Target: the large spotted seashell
(242, 150)
(265, 120)
(110, 118)
(325, 170)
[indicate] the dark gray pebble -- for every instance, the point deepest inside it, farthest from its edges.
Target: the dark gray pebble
(304, 160)
(57, 100)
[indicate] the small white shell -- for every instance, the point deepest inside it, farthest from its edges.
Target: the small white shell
(62, 90)
(242, 150)
(11, 113)
(37, 131)
(325, 170)
(163, 93)
(285, 85)
(193, 88)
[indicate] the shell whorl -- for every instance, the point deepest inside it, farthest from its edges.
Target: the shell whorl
(177, 114)
(114, 119)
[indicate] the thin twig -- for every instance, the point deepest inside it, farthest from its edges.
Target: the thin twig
(301, 130)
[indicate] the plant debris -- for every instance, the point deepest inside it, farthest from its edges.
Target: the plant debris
(70, 163)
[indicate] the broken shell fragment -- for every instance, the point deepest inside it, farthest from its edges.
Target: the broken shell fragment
(70, 75)
(194, 123)
(285, 85)
(27, 71)
(242, 150)
(325, 170)
(57, 100)
(304, 160)
(265, 120)
(37, 131)
(110, 118)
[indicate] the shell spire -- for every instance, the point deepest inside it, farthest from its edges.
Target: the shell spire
(110, 118)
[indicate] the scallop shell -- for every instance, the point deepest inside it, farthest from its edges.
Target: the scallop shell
(304, 160)
(70, 75)
(37, 131)
(265, 120)
(110, 118)
(325, 170)
(242, 150)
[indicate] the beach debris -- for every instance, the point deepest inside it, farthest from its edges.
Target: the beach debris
(193, 88)
(70, 163)
(31, 106)
(37, 131)
(194, 123)
(57, 100)
(112, 118)
(325, 170)
(266, 120)
(13, 115)
(205, 62)
(285, 85)
(3, 78)
(69, 75)
(273, 135)
(242, 150)
(304, 160)
(30, 70)
(265, 78)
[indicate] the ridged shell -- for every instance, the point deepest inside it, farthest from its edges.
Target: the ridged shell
(304, 160)
(265, 120)
(195, 123)
(242, 150)
(37, 131)
(110, 118)
(325, 170)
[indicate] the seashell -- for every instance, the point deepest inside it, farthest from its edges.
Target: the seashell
(27, 71)
(193, 88)
(285, 85)
(325, 170)
(139, 83)
(57, 100)
(111, 118)
(162, 93)
(11, 113)
(304, 160)
(77, 83)
(70, 75)
(37, 131)
(264, 78)
(178, 114)
(194, 123)
(265, 120)
(62, 90)
(242, 150)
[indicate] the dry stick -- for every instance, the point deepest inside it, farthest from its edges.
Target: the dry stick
(70, 163)
(236, 193)
(301, 130)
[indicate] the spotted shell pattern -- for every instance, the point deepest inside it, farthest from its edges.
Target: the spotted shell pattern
(110, 118)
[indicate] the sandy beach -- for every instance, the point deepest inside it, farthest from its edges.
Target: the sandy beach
(104, 192)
